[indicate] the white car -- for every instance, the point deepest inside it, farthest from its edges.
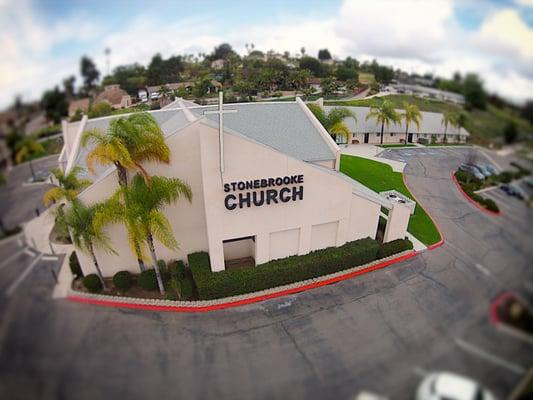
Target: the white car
(449, 386)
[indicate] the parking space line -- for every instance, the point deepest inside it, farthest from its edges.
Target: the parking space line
(468, 347)
(12, 257)
(483, 269)
(11, 289)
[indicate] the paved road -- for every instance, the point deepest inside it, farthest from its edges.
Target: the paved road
(379, 332)
(18, 201)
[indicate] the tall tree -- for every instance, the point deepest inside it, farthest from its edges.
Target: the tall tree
(68, 87)
(384, 114)
(411, 115)
(139, 206)
(448, 118)
(312, 64)
(324, 54)
(78, 221)
(475, 96)
(54, 104)
(89, 72)
(128, 143)
(333, 121)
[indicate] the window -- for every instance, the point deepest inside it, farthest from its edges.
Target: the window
(392, 134)
(378, 134)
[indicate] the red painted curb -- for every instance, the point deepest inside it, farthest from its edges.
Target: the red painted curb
(441, 241)
(110, 303)
(471, 200)
(493, 309)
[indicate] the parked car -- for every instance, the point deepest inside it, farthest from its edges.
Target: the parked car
(513, 190)
(449, 386)
(483, 169)
(529, 182)
(491, 169)
(473, 170)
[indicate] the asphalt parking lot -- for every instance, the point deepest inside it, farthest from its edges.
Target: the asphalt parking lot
(380, 332)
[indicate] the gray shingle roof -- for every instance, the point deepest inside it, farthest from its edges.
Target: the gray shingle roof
(431, 123)
(283, 126)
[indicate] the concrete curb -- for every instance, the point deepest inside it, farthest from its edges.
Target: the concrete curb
(235, 301)
(471, 200)
(12, 237)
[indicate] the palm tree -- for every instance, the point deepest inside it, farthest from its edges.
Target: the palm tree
(78, 220)
(333, 121)
(384, 114)
(27, 148)
(143, 216)
(69, 185)
(412, 115)
(448, 118)
(127, 143)
(461, 122)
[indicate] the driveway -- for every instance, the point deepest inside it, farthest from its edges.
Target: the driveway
(380, 332)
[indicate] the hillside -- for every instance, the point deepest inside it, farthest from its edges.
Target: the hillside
(485, 126)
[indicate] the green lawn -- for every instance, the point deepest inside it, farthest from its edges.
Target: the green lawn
(379, 177)
(388, 146)
(398, 100)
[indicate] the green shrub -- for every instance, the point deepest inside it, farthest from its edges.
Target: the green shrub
(186, 289)
(74, 264)
(505, 176)
(148, 280)
(211, 285)
(122, 280)
(490, 205)
(177, 268)
(92, 283)
(393, 247)
(100, 110)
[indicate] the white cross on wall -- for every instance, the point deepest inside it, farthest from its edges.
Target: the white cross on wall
(221, 113)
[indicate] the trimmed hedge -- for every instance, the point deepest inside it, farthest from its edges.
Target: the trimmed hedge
(278, 272)
(148, 280)
(122, 280)
(393, 247)
(74, 265)
(92, 283)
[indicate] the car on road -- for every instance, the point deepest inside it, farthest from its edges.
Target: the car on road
(472, 170)
(450, 386)
(513, 190)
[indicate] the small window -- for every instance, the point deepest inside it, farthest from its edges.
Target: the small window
(392, 134)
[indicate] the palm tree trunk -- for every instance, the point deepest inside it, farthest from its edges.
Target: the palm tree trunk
(445, 130)
(150, 241)
(406, 132)
(97, 266)
(139, 260)
(122, 175)
(382, 125)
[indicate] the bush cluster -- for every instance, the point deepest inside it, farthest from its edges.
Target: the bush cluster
(122, 280)
(470, 186)
(148, 280)
(74, 264)
(179, 282)
(393, 247)
(92, 283)
(284, 271)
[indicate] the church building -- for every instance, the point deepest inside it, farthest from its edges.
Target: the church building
(265, 181)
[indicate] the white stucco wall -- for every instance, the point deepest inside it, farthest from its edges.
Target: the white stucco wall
(397, 222)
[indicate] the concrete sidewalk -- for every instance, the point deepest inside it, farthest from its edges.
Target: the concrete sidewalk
(371, 152)
(37, 234)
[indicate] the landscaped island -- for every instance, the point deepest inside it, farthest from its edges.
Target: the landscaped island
(380, 177)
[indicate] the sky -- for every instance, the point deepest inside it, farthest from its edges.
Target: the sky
(43, 41)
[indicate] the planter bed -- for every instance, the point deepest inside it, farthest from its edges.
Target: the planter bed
(468, 190)
(296, 270)
(510, 310)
